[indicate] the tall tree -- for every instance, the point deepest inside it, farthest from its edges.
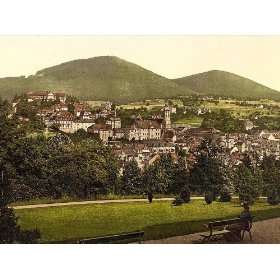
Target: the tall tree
(131, 179)
(208, 174)
(248, 183)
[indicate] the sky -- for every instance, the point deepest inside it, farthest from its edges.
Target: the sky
(254, 57)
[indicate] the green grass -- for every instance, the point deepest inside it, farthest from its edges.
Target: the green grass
(158, 220)
(194, 121)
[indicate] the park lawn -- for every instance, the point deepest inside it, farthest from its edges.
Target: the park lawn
(67, 224)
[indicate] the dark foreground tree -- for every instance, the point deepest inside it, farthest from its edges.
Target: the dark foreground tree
(10, 231)
(209, 197)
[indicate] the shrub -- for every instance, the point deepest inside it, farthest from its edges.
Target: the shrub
(273, 196)
(185, 195)
(178, 201)
(208, 197)
(225, 195)
(10, 232)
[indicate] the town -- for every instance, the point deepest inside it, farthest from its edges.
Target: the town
(145, 139)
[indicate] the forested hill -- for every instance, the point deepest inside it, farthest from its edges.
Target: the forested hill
(221, 83)
(98, 78)
(112, 78)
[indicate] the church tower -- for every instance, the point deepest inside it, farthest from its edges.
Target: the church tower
(167, 117)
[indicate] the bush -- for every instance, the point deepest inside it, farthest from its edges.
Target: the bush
(273, 196)
(225, 196)
(10, 232)
(208, 197)
(178, 201)
(29, 236)
(185, 195)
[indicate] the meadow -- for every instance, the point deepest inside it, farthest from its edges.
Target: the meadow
(67, 224)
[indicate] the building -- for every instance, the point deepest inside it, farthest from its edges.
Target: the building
(167, 119)
(45, 96)
(82, 124)
(144, 130)
(67, 122)
(114, 122)
(104, 131)
(63, 120)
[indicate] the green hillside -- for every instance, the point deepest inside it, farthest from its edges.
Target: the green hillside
(98, 78)
(223, 83)
(112, 78)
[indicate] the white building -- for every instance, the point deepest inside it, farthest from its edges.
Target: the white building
(144, 130)
(45, 96)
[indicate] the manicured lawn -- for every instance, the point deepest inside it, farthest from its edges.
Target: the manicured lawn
(158, 220)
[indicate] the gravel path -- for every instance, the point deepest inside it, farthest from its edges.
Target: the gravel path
(31, 206)
(263, 232)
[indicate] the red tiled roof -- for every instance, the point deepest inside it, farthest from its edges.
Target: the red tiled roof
(100, 126)
(64, 116)
(145, 124)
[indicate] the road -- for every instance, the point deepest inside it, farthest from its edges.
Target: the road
(31, 206)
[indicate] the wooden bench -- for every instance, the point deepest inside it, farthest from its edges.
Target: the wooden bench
(126, 237)
(222, 228)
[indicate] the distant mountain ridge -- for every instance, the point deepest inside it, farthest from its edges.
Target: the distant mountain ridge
(112, 78)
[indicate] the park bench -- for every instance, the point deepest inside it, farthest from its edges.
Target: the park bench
(126, 237)
(234, 228)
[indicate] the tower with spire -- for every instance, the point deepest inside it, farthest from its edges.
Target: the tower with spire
(167, 119)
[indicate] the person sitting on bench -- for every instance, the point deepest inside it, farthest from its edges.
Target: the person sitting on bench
(245, 214)
(238, 230)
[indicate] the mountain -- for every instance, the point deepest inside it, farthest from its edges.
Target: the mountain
(223, 83)
(98, 78)
(112, 78)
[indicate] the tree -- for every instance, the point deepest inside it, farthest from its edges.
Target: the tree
(209, 197)
(271, 178)
(131, 179)
(222, 120)
(10, 232)
(208, 174)
(180, 178)
(155, 179)
(248, 183)
(225, 194)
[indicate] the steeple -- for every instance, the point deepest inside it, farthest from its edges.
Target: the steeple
(167, 117)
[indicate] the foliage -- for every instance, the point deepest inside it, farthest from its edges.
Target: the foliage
(225, 195)
(185, 195)
(132, 183)
(209, 197)
(10, 231)
(221, 83)
(38, 167)
(208, 174)
(271, 177)
(222, 120)
(273, 196)
(248, 183)
(178, 201)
